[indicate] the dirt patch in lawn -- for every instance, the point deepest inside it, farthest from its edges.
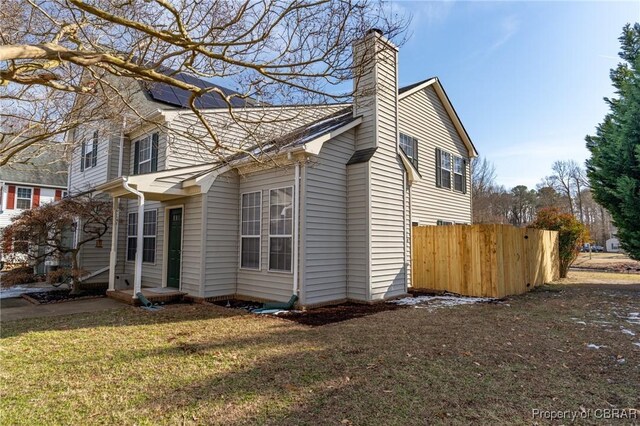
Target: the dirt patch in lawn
(607, 262)
(62, 295)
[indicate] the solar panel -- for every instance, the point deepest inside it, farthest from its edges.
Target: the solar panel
(180, 98)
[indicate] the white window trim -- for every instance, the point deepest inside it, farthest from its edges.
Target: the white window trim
(145, 139)
(155, 242)
(89, 153)
(259, 236)
(280, 271)
(414, 146)
(18, 188)
(453, 173)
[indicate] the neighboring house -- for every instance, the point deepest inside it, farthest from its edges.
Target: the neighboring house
(26, 185)
(327, 217)
(612, 245)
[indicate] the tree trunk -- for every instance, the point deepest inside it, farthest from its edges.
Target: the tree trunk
(75, 273)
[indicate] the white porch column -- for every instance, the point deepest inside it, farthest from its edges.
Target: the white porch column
(137, 278)
(113, 256)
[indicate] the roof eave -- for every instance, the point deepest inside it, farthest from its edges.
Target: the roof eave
(442, 94)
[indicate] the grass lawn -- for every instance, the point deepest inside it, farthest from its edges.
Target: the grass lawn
(202, 364)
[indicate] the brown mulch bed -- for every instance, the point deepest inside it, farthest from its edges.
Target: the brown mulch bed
(318, 316)
(337, 313)
(63, 295)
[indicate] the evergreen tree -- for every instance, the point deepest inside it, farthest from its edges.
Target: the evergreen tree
(614, 166)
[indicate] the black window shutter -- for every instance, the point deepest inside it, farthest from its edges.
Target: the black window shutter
(94, 154)
(154, 152)
(82, 154)
(438, 167)
(136, 157)
(464, 176)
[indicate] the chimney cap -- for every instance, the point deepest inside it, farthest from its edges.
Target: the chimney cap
(375, 31)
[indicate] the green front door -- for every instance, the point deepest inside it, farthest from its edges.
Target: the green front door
(175, 248)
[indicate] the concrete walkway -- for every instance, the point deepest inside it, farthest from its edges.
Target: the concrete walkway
(18, 308)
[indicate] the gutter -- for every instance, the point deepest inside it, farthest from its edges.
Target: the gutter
(137, 281)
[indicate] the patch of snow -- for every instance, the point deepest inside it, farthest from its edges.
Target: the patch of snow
(10, 292)
(637, 344)
(594, 346)
(629, 332)
(581, 322)
(439, 301)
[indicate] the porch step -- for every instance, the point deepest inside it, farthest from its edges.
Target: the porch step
(154, 295)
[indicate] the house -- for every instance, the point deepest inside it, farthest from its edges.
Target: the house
(26, 185)
(612, 245)
(323, 210)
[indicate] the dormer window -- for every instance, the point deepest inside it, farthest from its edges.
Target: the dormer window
(146, 155)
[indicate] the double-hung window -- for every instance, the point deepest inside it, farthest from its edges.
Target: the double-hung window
(251, 211)
(280, 229)
(145, 155)
(451, 171)
(458, 174)
(409, 146)
(89, 152)
(23, 198)
(149, 229)
(445, 167)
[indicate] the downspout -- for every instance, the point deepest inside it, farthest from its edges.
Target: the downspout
(137, 280)
(296, 225)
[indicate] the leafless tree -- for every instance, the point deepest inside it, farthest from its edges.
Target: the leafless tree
(63, 61)
(562, 180)
(46, 231)
(580, 182)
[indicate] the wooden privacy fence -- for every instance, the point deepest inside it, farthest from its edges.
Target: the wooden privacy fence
(483, 260)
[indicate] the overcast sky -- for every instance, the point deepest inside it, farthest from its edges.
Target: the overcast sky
(527, 78)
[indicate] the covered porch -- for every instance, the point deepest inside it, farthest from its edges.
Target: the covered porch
(163, 193)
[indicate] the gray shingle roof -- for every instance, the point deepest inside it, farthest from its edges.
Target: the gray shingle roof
(48, 168)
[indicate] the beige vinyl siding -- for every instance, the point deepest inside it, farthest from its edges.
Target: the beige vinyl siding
(189, 143)
(264, 284)
(151, 272)
(221, 265)
(192, 255)
(422, 115)
(114, 156)
(80, 181)
(358, 231)
(325, 269)
(388, 270)
(94, 258)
